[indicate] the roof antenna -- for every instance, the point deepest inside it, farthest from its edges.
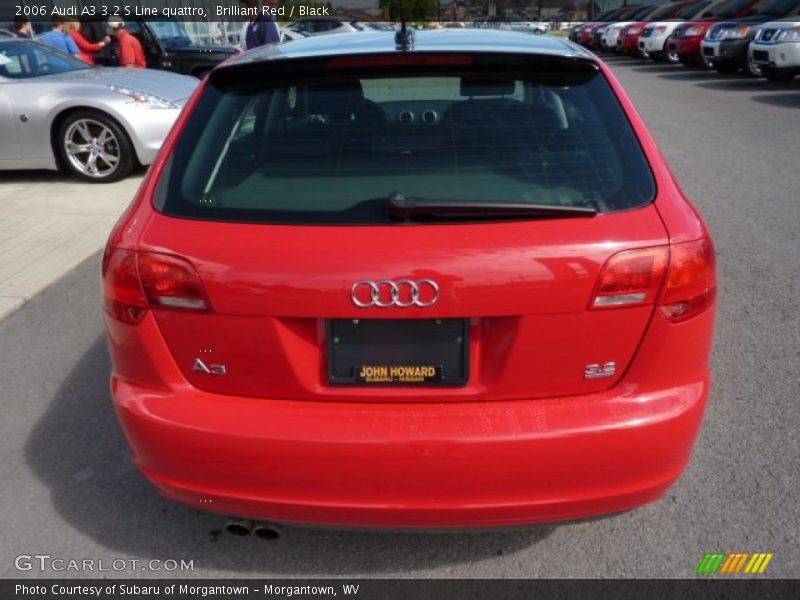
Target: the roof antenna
(404, 39)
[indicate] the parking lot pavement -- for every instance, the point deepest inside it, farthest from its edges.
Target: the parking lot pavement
(70, 489)
(49, 224)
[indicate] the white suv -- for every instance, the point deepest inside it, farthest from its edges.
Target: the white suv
(653, 40)
(776, 49)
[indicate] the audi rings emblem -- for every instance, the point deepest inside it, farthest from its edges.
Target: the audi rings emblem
(403, 293)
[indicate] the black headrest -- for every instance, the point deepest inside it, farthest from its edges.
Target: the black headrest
(336, 97)
(483, 85)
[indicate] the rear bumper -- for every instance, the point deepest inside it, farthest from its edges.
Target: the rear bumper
(468, 464)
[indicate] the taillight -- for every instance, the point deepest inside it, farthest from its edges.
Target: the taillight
(692, 280)
(135, 281)
(686, 271)
(631, 277)
(171, 281)
(123, 297)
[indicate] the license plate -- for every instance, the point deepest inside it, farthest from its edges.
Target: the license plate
(760, 55)
(409, 374)
(708, 51)
(398, 352)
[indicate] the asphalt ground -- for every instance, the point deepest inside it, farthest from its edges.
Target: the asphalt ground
(70, 490)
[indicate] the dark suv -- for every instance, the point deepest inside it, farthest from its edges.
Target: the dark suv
(166, 46)
(726, 44)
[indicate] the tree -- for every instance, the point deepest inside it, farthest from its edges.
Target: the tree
(411, 10)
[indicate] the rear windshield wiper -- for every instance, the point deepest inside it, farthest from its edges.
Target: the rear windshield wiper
(403, 207)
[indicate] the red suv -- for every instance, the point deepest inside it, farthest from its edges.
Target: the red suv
(629, 36)
(687, 38)
(447, 281)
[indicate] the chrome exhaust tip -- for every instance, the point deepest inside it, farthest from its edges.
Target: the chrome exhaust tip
(239, 527)
(267, 531)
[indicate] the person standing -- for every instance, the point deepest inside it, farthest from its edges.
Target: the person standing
(87, 48)
(262, 28)
(246, 5)
(57, 38)
(23, 27)
(131, 53)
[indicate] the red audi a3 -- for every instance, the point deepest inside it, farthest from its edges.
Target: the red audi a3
(443, 280)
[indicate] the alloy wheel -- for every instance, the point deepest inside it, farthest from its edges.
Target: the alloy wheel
(92, 148)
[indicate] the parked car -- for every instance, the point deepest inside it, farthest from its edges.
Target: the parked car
(687, 38)
(609, 40)
(378, 26)
(587, 32)
(497, 310)
(776, 49)
(630, 35)
(291, 35)
(725, 45)
(598, 32)
(57, 112)
(166, 46)
(325, 25)
(576, 31)
(533, 27)
(653, 40)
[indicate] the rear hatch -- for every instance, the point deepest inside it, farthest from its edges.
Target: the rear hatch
(518, 178)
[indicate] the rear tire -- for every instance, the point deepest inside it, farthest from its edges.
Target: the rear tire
(94, 147)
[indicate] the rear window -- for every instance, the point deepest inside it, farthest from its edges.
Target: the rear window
(306, 143)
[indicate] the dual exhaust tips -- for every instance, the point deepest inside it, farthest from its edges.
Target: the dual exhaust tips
(244, 527)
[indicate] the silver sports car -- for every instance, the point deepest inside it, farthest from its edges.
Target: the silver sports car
(57, 112)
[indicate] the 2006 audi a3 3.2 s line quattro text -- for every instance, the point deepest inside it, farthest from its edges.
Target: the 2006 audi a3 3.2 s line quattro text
(445, 282)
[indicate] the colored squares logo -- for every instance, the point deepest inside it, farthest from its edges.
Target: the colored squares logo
(735, 563)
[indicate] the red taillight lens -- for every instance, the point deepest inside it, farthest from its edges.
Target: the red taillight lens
(171, 281)
(634, 278)
(134, 281)
(631, 277)
(122, 294)
(692, 281)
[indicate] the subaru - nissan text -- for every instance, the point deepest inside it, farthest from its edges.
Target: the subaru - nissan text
(443, 282)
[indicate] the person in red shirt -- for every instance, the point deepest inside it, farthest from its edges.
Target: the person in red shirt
(131, 53)
(87, 48)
